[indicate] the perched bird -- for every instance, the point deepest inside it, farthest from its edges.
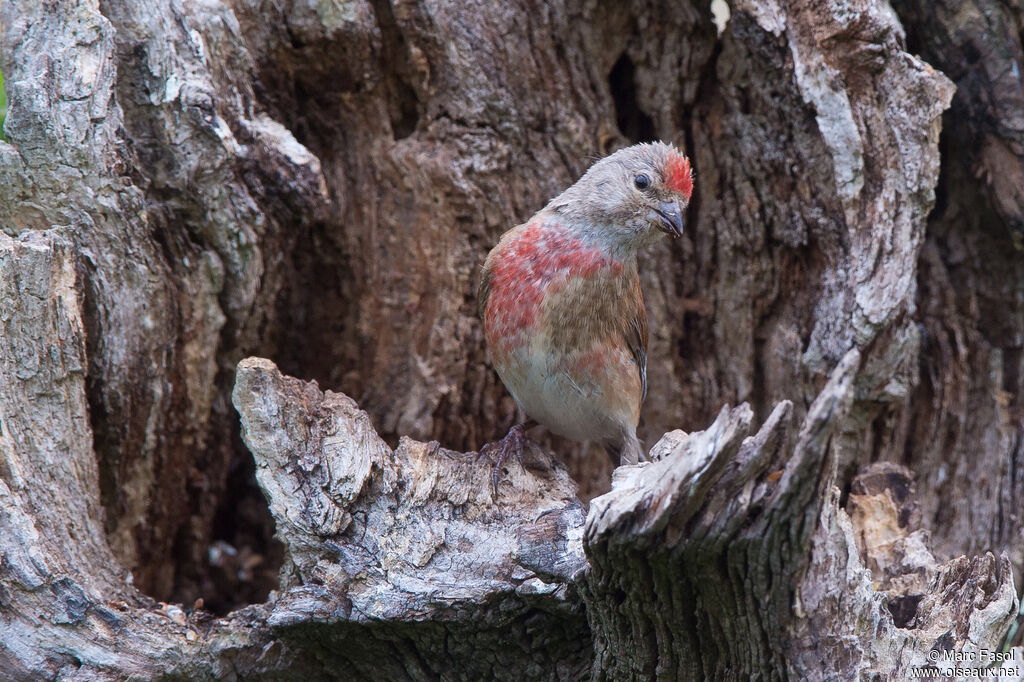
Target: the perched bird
(560, 298)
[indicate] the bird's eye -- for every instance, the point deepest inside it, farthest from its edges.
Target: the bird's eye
(642, 181)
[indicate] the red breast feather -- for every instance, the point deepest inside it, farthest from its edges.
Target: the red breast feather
(533, 261)
(567, 331)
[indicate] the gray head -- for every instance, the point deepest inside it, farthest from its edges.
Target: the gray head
(624, 199)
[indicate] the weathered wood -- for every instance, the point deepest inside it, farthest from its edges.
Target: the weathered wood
(187, 183)
(679, 550)
(380, 538)
(961, 430)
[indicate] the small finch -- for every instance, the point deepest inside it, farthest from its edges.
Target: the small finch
(560, 298)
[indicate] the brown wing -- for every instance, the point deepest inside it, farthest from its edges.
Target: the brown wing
(483, 291)
(637, 335)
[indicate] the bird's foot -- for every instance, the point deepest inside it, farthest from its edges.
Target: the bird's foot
(511, 444)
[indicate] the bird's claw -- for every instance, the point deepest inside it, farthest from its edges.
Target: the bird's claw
(511, 444)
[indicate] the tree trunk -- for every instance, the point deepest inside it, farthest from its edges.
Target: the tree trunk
(189, 183)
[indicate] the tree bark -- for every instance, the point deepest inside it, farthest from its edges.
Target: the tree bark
(188, 183)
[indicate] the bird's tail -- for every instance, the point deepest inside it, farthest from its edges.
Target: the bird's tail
(629, 451)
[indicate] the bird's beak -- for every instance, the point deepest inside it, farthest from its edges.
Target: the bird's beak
(667, 216)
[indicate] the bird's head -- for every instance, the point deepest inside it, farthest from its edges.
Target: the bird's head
(626, 199)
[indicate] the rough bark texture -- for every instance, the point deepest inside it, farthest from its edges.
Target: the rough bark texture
(186, 183)
(965, 435)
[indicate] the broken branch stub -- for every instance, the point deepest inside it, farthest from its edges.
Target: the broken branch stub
(408, 546)
(695, 559)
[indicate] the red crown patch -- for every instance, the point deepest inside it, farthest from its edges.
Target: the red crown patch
(679, 175)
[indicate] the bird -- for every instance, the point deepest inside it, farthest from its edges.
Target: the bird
(563, 313)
